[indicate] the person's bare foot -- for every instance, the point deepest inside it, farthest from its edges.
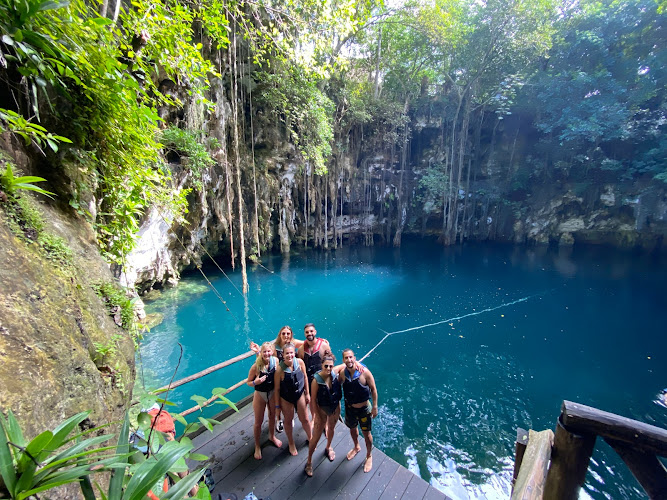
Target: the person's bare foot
(293, 451)
(276, 441)
(258, 453)
(368, 464)
(353, 452)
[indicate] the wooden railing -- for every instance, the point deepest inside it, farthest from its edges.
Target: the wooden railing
(203, 373)
(553, 466)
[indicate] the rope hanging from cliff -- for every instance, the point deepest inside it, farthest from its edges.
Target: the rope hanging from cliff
(210, 284)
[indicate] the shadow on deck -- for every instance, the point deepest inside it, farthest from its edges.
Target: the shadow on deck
(280, 476)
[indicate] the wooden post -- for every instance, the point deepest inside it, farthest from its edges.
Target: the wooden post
(519, 451)
(533, 473)
(569, 462)
(646, 467)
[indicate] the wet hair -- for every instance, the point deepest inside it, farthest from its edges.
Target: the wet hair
(288, 345)
(309, 325)
(279, 340)
(259, 362)
(348, 349)
(328, 356)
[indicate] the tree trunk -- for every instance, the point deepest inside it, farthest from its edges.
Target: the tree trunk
(401, 209)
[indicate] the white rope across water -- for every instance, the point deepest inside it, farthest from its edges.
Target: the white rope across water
(506, 304)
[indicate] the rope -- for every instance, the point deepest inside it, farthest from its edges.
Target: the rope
(389, 334)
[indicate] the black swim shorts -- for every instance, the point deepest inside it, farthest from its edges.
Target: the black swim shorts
(359, 416)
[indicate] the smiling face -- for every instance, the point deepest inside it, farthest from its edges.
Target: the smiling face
(288, 355)
(327, 365)
(349, 359)
(266, 352)
(310, 332)
(286, 335)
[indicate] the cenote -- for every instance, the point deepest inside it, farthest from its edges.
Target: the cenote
(511, 333)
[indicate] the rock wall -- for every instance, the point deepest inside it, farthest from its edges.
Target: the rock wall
(50, 320)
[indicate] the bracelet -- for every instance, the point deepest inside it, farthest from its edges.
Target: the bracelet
(253, 383)
(277, 406)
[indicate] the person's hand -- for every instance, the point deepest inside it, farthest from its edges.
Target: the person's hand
(307, 399)
(374, 412)
(259, 380)
(254, 347)
(357, 366)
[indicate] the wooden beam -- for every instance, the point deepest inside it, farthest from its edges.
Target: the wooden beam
(519, 452)
(533, 473)
(582, 419)
(646, 467)
(207, 371)
(570, 456)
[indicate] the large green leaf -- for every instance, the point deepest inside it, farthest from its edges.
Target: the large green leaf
(182, 487)
(150, 472)
(27, 464)
(14, 433)
(116, 483)
(7, 470)
(61, 432)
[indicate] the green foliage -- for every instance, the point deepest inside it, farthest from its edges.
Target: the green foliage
(107, 349)
(51, 459)
(117, 302)
(31, 133)
(11, 184)
(433, 185)
(186, 143)
(56, 249)
(292, 95)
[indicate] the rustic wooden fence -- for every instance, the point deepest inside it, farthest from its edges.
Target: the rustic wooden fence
(553, 465)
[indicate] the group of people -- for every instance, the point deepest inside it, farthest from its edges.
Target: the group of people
(293, 375)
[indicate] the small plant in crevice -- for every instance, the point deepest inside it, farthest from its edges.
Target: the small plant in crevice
(186, 144)
(121, 308)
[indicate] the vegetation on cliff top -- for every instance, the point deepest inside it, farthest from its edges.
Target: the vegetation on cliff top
(583, 80)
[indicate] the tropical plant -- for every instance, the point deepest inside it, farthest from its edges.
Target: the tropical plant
(11, 184)
(51, 459)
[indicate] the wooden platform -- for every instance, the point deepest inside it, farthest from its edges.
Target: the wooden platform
(280, 476)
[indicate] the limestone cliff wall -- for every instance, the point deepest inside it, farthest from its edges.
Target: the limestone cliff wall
(50, 320)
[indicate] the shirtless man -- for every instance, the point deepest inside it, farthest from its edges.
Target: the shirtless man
(358, 389)
(311, 352)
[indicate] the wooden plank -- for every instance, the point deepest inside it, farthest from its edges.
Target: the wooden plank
(286, 470)
(519, 451)
(416, 488)
(570, 456)
(584, 419)
(533, 473)
(312, 485)
(346, 471)
(359, 479)
(397, 485)
(378, 482)
(244, 478)
(435, 494)
(280, 470)
(646, 467)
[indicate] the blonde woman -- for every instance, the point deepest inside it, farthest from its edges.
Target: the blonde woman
(285, 335)
(292, 393)
(262, 378)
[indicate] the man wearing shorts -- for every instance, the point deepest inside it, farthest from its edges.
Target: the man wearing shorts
(361, 404)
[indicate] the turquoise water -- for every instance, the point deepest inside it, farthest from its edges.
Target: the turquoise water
(514, 333)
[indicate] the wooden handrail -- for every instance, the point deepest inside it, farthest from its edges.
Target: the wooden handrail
(586, 419)
(637, 443)
(207, 371)
(210, 400)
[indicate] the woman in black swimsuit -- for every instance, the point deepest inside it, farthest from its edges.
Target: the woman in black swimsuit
(326, 392)
(291, 391)
(262, 377)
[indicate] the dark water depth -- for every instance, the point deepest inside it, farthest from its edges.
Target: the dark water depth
(513, 333)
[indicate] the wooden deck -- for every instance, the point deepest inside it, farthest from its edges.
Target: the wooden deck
(280, 476)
